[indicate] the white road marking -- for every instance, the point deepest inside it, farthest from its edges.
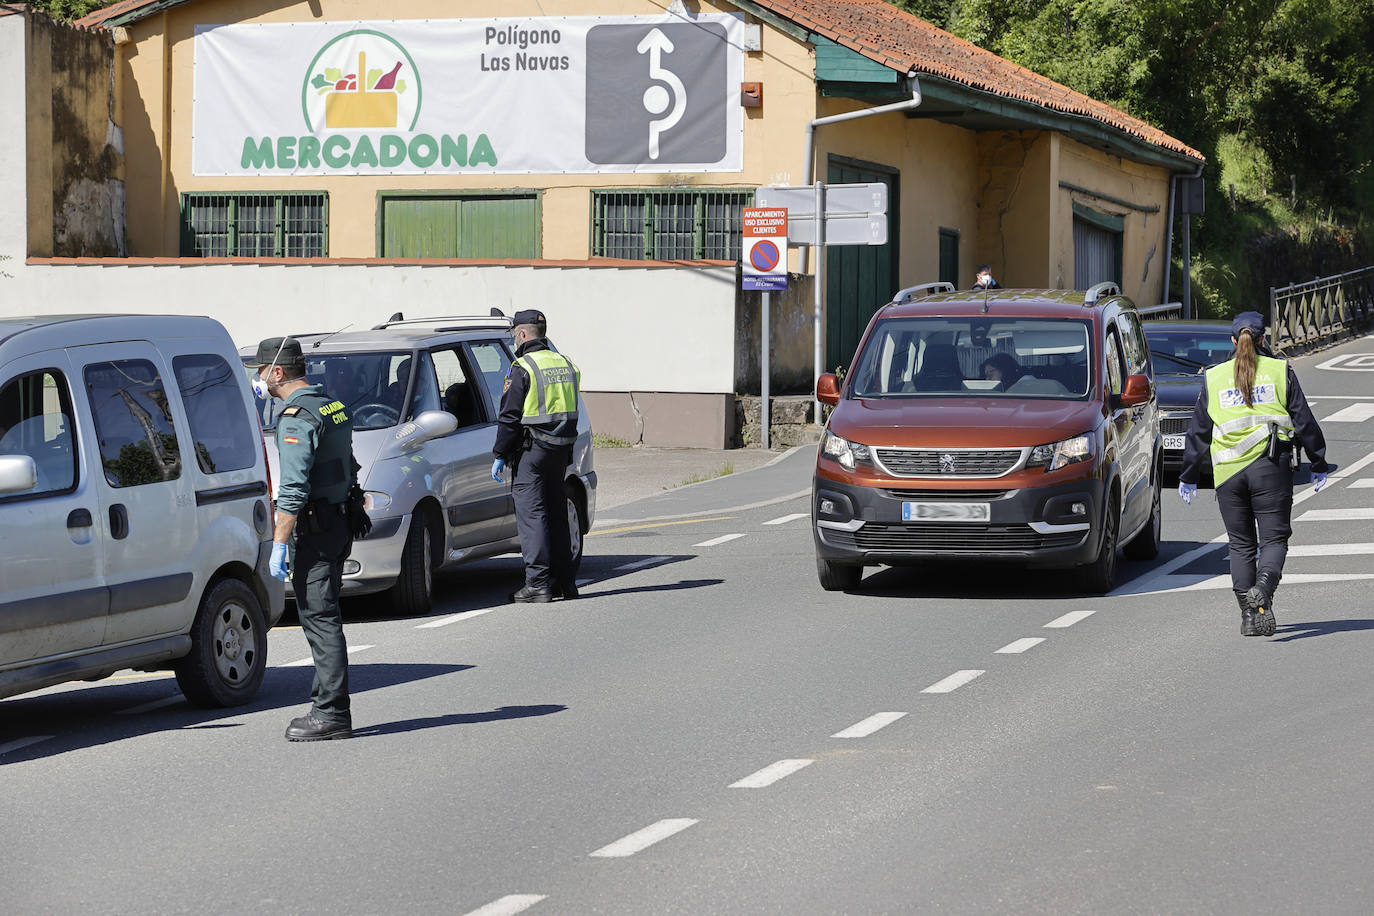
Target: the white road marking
(788, 518)
(771, 774)
(1357, 466)
(306, 662)
(870, 725)
(1072, 617)
(1364, 483)
(151, 705)
(640, 564)
(716, 542)
(953, 682)
(1349, 514)
(455, 618)
(1219, 582)
(22, 742)
(509, 905)
(1355, 413)
(1329, 550)
(643, 839)
(1021, 645)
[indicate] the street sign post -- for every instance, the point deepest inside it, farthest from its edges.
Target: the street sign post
(764, 238)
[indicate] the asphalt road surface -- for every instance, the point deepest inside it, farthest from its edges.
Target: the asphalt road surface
(706, 731)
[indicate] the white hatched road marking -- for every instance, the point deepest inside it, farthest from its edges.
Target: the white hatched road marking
(1021, 645)
(870, 725)
(22, 742)
(304, 662)
(771, 774)
(1219, 582)
(509, 905)
(643, 839)
(1336, 515)
(953, 682)
(716, 542)
(1329, 550)
(1071, 618)
(788, 518)
(455, 618)
(640, 564)
(1364, 483)
(1355, 413)
(151, 705)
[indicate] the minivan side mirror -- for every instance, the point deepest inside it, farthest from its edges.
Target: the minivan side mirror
(1136, 392)
(18, 473)
(828, 389)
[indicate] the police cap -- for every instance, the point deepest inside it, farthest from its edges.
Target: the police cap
(1248, 321)
(284, 351)
(530, 316)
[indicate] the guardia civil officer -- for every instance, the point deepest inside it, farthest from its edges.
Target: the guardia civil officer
(1247, 418)
(316, 468)
(534, 435)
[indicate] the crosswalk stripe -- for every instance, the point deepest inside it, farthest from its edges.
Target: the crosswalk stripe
(716, 542)
(1364, 483)
(788, 518)
(1349, 514)
(1355, 413)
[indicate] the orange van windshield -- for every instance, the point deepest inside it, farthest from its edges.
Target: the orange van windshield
(975, 357)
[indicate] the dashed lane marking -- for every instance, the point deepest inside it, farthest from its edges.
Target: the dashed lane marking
(716, 542)
(953, 682)
(640, 564)
(771, 774)
(455, 618)
(870, 725)
(788, 518)
(643, 839)
(509, 905)
(305, 662)
(689, 521)
(1071, 618)
(22, 743)
(1021, 645)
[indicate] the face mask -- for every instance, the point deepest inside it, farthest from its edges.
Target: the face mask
(259, 384)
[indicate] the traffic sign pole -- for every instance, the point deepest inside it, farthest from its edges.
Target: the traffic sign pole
(766, 363)
(817, 318)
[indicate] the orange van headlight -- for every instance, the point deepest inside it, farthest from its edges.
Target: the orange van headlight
(1059, 454)
(847, 453)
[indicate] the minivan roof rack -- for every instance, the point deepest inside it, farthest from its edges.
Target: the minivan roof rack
(1101, 291)
(448, 322)
(910, 293)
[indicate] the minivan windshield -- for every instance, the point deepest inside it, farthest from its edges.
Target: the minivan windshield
(371, 385)
(1189, 352)
(975, 357)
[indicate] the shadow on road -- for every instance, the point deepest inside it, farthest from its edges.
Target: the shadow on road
(968, 579)
(457, 718)
(1290, 632)
(667, 587)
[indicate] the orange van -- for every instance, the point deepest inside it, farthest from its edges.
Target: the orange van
(1015, 426)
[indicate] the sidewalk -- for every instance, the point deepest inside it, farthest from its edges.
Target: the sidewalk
(643, 484)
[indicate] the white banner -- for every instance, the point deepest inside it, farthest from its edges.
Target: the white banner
(547, 95)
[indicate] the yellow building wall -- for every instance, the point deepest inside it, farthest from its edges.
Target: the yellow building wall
(158, 135)
(1014, 206)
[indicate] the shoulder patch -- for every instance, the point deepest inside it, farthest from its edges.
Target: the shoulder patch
(290, 411)
(506, 387)
(290, 440)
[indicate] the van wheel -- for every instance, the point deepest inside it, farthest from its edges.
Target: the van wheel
(228, 648)
(838, 577)
(413, 593)
(1145, 545)
(574, 529)
(1098, 577)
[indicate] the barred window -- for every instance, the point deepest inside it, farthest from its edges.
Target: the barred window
(254, 225)
(668, 225)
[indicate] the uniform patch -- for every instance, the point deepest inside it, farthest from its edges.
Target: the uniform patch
(1260, 394)
(506, 387)
(290, 411)
(290, 440)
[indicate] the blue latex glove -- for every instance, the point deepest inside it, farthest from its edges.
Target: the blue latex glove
(497, 467)
(1186, 491)
(1318, 481)
(278, 564)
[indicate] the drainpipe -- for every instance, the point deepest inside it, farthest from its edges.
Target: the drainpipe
(1169, 239)
(809, 167)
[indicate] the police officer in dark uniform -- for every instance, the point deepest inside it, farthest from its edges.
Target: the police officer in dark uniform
(316, 469)
(1249, 417)
(535, 435)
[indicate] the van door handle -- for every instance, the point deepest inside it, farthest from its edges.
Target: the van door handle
(79, 518)
(119, 522)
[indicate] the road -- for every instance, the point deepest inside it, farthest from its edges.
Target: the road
(706, 731)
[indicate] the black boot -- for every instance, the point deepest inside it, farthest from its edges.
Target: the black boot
(531, 595)
(309, 728)
(1261, 599)
(1247, 616)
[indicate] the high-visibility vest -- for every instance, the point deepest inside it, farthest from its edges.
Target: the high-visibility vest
(551, 400)
(1240, 434)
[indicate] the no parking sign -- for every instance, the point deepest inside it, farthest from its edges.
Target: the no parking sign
(765, 248)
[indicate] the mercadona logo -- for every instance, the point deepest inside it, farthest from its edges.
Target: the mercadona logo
(360, 85)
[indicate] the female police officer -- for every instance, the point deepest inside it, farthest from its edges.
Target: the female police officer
(1245, 419)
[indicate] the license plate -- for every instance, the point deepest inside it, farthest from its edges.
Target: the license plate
(1174, 443)
(945, 512)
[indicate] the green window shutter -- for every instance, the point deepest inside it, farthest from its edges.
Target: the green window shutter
(498, 227)
(420, 227)
(460, 226)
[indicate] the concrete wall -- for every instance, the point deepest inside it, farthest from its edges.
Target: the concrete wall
(14, 216)
(790, 339)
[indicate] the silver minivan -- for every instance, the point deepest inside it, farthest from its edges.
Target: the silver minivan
(135, 528)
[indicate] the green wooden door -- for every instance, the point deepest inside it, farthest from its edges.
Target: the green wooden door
(858, 278)
(481, 226)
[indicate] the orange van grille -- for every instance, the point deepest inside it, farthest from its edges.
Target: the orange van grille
(898, 538)
(933, 462)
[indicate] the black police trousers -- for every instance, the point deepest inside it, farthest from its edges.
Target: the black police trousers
(1257, 509)
(541, 514)
(316, 577)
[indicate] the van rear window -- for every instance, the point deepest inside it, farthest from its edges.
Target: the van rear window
(975, 357)
(224, 435)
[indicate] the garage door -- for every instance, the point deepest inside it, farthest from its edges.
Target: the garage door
(466, 226)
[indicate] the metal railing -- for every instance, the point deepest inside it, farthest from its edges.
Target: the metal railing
(1321, 310)
(1162, 312)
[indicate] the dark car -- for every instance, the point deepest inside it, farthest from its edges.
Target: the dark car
(1182, 351)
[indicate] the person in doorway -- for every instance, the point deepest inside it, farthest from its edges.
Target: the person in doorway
(983, 279)
(535, 432)
(315, 457)
(1247, 418)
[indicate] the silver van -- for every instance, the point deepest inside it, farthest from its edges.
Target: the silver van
(135, 528)
(424, 394)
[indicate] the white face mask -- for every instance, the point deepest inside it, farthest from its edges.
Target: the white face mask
(259, 383)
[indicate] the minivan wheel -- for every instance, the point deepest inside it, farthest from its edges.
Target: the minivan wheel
(574, 530)
(228, 654)
(1099, 576)
(838, 577)
(1145, 545)
(413, 593)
